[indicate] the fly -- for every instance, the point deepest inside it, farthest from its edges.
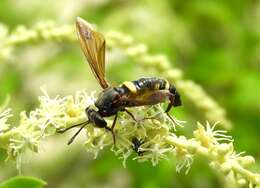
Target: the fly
(113, 99)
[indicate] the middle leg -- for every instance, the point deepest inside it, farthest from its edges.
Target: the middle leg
(130, 114)
(112, 129)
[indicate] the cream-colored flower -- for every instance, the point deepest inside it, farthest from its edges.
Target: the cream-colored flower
(4, 116)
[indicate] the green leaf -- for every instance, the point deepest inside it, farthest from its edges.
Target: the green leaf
(23, 182)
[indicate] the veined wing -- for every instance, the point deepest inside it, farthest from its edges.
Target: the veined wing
(93, 45)
(146, 98)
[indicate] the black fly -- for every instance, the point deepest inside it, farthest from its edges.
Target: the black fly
(141, 92)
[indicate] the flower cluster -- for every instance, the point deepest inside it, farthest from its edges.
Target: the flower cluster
(41, 31)
(150, 136)
(219, 149)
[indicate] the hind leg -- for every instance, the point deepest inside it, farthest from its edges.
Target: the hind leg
(169, 107)
(133, 117)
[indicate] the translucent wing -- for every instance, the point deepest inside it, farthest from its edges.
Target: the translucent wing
(93, 45)
(146, 98)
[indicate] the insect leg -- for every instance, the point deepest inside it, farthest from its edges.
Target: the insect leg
(170, 105)
(130, 114)
(112, 129)
(98, 120)
(73, 126)
(75, 135)
(133, 117)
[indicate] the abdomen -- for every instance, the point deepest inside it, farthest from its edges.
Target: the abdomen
(146, 84)
(149, 91)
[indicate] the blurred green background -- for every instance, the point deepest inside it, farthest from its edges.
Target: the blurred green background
(215, 43)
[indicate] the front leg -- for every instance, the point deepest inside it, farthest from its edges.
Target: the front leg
(98, 120)
(63, 130)
(73, 126)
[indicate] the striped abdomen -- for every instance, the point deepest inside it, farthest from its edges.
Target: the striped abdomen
(143, 84)
(148, 86)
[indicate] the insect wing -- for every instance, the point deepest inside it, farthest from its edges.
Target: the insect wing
(93, 45)
(146, 98)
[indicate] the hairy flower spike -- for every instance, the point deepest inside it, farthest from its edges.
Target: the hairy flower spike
(153, 129)
(42, 31)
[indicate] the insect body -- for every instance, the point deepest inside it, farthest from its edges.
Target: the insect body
(136, 145)
(141, 92)
(145, 91)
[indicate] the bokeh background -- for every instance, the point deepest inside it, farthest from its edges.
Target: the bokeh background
(215, 43)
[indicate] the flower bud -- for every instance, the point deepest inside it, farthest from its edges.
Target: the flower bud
(223, 149)
(225, 168)
(246, 161)
(193, 147)
(242, 182)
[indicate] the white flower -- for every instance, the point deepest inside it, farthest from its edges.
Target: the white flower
(4, 116)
